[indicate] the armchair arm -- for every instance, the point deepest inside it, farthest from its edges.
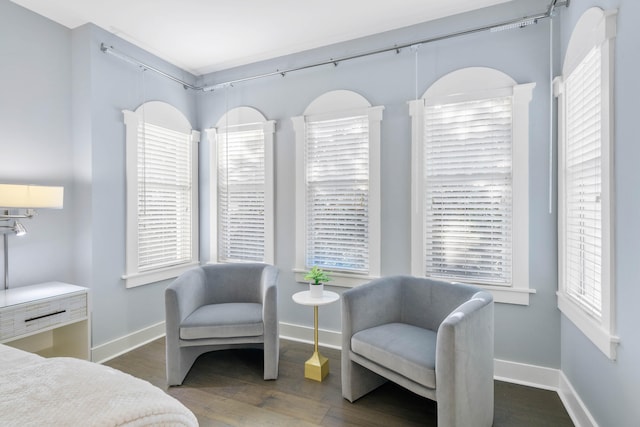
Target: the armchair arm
(269, 294)
(464, 363)
(186, 293)
(369, 305)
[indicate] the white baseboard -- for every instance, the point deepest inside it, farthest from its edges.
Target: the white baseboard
(548, 379)
(326, 338)
(576, 408)
(119, 346)
(525, 374)
(115, 348)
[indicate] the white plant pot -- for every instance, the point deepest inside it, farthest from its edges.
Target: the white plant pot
(315, 291)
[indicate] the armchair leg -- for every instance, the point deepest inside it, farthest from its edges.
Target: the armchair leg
(179, 362)
(271, 358)
(358, 380)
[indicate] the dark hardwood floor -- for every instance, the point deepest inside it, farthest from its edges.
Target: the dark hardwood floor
(226, 388)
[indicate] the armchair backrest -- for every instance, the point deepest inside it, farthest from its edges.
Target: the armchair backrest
(240, 282)
(427, 302)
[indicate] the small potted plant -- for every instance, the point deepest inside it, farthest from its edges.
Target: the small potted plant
(317, 278)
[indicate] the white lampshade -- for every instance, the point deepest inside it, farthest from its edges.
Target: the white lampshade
(14, 196)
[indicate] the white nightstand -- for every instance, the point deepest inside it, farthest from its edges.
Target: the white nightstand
(50, 319)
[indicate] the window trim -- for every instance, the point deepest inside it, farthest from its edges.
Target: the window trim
(594, 28)
(167, 116)
(466, 84)
(244, 118)
(324, 108)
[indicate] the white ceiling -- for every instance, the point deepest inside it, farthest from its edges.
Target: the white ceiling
(202, 36)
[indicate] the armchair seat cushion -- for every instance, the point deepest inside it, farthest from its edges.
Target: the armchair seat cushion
(406, 349)
(223, 321)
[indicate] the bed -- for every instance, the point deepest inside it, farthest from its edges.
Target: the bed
(62, 391)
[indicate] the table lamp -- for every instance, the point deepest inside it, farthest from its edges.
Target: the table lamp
(18, 201)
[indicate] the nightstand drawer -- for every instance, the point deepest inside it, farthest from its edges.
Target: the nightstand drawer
(25, 319)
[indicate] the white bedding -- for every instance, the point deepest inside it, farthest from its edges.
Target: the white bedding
(60, 391)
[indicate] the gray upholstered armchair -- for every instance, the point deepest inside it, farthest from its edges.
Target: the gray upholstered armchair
(222, 306)
(432, 337)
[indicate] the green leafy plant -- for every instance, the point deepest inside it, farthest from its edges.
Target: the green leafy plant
(317, 276)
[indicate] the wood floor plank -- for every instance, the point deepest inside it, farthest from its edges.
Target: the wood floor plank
(218, 410)
(226, 389)
(300, 407)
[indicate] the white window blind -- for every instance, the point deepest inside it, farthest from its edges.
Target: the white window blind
(583, 180)
(337, 194)
(468, 191)
(241, 196)
(586, 218)
(164, 197)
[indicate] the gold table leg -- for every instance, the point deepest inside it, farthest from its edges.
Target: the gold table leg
(317, 367)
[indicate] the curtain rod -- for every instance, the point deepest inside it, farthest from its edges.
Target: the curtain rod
(502, 26)
(112, 51)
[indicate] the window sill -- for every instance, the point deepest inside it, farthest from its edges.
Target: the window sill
(505, 295)
(343, 280)
(502, 294)
(509, 295)
(602, 338)
(238, 261)
(139, 279)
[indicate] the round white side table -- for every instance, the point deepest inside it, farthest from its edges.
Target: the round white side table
(317, 367)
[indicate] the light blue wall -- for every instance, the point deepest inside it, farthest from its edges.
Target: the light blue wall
(610, 389)
(523, 334)
(61, 115)
(35, 143)
(103, 86)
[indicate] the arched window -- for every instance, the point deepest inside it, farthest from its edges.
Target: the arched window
(242, 179)
(338, 187)
(470, 176)
(162, 193)
(585, 175)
